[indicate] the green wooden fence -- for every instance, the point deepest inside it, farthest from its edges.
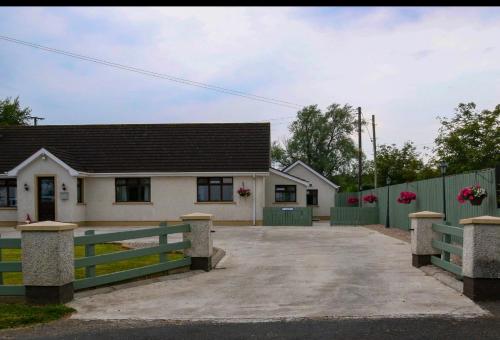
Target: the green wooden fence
(288, 216)
(353, 216)
(90, 260)
(447, 247)
(430, 197)
(10, 267)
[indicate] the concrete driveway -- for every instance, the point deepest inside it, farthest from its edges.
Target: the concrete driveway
(287, 273)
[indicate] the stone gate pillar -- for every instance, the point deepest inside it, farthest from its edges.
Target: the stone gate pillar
(201, 250)
(481, 257)
(48, 261)
(422, 235)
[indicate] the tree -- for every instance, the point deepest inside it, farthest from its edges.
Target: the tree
(12, 114)
(401, 164)
(470, 140)
(321, 140)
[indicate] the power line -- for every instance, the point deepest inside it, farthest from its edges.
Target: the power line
(249, 96)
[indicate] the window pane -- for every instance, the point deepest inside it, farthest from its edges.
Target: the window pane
(79, 193)
(215, 192)
(12, 193)
(215, 180)
(133, 193)
(227, 192)
(3, 196)
(285, 193)
(202, 193)
(121, 194)
(227, 180)
(146, 192)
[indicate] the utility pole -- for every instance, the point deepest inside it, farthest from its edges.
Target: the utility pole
(360, 166)
(36, 119)
(374, 152)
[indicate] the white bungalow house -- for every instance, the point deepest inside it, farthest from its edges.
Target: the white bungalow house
(133, 174)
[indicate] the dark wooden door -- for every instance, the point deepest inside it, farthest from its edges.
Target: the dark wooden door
(46, 199)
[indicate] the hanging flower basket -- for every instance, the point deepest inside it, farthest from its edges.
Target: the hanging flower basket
(406, 197)
(370, 198)
(352, 201)
(244, 192)
(474, 194)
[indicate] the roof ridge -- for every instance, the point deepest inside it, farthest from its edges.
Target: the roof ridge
(133, 124)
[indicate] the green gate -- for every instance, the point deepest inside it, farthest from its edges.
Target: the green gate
(90, 260)
(450, 242)
(288, 216)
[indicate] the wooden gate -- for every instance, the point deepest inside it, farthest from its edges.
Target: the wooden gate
(288, 216)
(450, 242)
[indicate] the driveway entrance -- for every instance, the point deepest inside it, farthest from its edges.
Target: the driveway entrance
(286, 273)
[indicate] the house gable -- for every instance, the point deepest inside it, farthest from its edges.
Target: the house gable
(39, 154)
(312, 171)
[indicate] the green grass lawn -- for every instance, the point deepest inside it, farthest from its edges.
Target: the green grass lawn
(15, 255)
(18, 314)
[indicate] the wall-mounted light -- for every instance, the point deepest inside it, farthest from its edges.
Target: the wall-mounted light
(26, 187)
(63, 187)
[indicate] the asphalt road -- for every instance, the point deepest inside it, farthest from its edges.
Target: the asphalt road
(392, 328)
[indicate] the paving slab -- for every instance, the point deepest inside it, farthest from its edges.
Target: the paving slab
(286, 273)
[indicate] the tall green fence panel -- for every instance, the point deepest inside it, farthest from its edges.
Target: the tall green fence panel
(288, 216)
(430, 197)
(353, 216)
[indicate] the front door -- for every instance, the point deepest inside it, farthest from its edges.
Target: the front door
(46, 199)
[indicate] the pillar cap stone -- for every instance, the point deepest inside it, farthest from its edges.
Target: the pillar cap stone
(47, 226)
(197, 216)
(425, 214)
(481, 220)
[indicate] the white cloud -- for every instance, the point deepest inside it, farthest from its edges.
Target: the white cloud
(406, 72)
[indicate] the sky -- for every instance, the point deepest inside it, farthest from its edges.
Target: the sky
(406, 65)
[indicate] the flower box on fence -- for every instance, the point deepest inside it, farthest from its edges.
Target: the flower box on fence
(406, 197)
(474, 194)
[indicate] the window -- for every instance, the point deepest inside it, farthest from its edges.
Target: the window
(133, 189)
(8, 192)
(285, 193)
(215, 189)
(79, 190)
(312, 197)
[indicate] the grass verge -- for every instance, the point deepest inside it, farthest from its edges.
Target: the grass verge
(17, 314)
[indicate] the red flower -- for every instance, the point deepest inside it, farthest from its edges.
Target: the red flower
(370, 198)
(352, 200)
(406, 197)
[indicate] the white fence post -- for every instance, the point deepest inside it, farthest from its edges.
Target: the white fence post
(48, 261)
(201, 250)
(481, 257)
(422, 235)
